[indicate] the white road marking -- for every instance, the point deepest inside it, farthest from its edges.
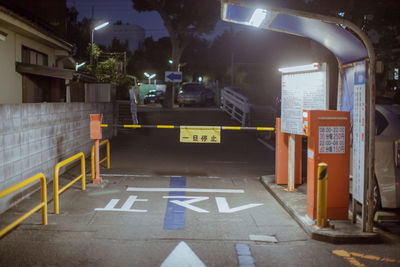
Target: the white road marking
(264, 238)
(223, 206)
(182, 256)
(186, 203)
(126, 175)
(196, 190)
(148, 175)
(266, 144)
(125, 207)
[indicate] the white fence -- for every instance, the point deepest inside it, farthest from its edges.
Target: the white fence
(235, 104)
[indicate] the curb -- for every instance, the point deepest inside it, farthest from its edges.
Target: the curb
(334, 236)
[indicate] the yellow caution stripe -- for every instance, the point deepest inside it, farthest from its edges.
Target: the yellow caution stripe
(265, 129)
(165, 126)
(235, 128)
(231, 128)
(132, 126)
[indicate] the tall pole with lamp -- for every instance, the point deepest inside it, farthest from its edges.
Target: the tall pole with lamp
(98, 27)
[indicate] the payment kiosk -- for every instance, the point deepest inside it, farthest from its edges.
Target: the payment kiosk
(328, 133)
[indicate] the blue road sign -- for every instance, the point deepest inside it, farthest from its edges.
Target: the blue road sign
(173, 76)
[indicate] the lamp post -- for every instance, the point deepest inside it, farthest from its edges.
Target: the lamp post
(149, 76)
(98, 27)
(77, 66)
(179, 65)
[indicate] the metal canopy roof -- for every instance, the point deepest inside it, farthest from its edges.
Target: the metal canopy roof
(331, 34)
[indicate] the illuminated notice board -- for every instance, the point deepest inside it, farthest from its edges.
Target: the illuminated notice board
(302, 90)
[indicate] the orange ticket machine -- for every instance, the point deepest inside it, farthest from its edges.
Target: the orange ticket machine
(282, 156)
(328, 133)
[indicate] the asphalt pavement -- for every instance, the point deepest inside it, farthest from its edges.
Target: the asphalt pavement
(165, 203)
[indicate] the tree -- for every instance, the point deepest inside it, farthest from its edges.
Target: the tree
(184, 19)
(78, 33)
(153, 58)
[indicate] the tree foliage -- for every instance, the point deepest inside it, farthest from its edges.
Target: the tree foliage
(184, 20)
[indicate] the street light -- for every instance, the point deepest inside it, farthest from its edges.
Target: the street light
(98, 27)
(180, 65)
(149, 76)
(77, 66)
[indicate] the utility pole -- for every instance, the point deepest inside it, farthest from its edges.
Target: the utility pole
(125, 62)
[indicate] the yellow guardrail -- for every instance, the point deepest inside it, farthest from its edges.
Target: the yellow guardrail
(42, 205)
(57, 191)
(105, 142)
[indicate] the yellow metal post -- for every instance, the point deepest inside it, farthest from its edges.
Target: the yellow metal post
(107, 158)
(108, 154)
(322, 195)
(56, 190)
(42, 205)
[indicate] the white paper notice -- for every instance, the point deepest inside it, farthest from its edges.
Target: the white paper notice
(332, 140)
(306, 90)
(359, 132)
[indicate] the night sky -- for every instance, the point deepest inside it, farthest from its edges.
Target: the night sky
(113, 10)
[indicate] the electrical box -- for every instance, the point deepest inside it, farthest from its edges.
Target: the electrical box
(95, 126)
(328, 136)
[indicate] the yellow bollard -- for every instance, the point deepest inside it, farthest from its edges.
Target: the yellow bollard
(322, 195)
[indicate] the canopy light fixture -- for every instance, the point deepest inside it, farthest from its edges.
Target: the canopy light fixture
(303, 68)
(258, 17)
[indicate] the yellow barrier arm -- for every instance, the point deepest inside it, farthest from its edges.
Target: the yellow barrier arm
(42, 205)
(57, 191)
(105, 142)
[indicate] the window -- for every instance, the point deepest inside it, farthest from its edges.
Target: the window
(31, 56)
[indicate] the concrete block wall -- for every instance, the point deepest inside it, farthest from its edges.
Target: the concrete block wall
(35, 137)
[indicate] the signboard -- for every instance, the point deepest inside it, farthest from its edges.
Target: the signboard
(359, 132)
(302, 90)
(173, 76)
(332, 140)
(200, 134)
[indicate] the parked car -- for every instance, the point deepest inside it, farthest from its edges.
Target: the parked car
(154, 96)
(387, 157)
(194, 94)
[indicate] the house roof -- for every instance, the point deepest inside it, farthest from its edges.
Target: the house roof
(27, 27)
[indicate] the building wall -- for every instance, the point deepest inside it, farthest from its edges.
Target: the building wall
(35, 137)
(11, 81)
(11, 52)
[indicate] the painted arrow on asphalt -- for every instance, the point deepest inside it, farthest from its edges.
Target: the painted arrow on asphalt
(223, 206)
(183, 256)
